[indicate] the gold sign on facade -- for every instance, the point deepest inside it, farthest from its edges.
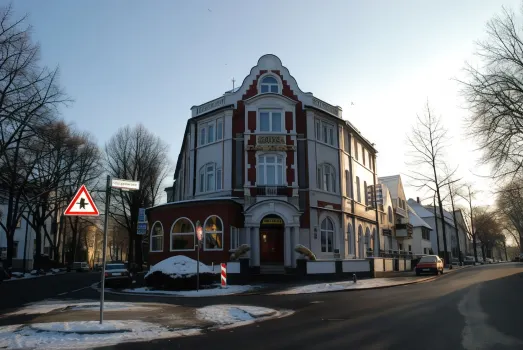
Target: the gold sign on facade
(272, 221)
(271, 143)
(270, 140)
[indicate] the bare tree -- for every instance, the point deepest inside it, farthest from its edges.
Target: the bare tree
(452, 190)
(136, 154)
(468, 195)
(29, 98)
(487, 229)
(494, 92)
(510, 205)
(427, 143)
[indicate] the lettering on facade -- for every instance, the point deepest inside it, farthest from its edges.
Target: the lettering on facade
(325, 106)
(270, 140)
(272, 221)
(220, 102)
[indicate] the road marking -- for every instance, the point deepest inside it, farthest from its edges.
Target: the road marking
(477, 333)
(76, 290)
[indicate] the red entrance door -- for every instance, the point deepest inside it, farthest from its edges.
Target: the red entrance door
(271, 245)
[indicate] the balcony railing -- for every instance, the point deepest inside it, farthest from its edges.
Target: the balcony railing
(271, 191)
(404, 230)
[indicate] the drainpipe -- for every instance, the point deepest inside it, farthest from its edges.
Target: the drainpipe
(376, 207)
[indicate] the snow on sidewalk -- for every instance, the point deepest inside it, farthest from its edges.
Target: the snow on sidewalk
(229, 314)
(61, 335)
(360, 284)
(229, 290)
(52, 305)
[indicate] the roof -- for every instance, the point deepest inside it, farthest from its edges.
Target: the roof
(420, 210)
(415, 220)
(393, 183)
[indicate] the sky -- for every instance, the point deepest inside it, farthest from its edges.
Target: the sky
(129, 62)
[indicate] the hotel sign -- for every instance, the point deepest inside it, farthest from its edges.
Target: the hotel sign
(272, 221)
(325, 106)
(271, 143)
(220, 102)
(270, 140)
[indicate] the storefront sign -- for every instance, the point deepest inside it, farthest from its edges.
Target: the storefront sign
(272, 221)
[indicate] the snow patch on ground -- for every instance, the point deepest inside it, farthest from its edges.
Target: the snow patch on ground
(21, 276)
(49, 306)
(62, 336)
(347, 285)
(234, 314)
(179, 266)
(229, 290)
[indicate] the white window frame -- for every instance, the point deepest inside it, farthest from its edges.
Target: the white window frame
(326, 231)
(235, 237)
(322, 183)
(172, 234)
(271, 129)
(154, 236)
(204, 173)
(326, 133)
(270, 85)
(259, 164)
(205, 232)
(205, 131)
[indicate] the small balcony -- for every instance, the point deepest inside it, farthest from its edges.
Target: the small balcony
(404, 230)
(272, 191)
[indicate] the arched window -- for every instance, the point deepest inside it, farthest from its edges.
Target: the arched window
(368, 242)
(156, 237)
(269, 84)
(210, 178)
(326, 178)
(182, 235)
(213, 233)
(390, 213)
(361, 243)
(327, 235)
(270, 170)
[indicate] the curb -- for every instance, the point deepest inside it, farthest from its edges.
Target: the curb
(93, 332)
(421, 280)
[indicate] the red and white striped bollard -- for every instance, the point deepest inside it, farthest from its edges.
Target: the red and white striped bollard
(224, 275)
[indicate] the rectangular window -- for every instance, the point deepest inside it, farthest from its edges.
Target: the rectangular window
(210, 134)
(356, 155)
(346, 140)
(358, 192)
(331, 136)
(371, 166)
(270, 121)
(365, 192)
(325, 132)
(410, 248)
(219, 130)
(219, 179)
(318, 130)
(235, 237)
(363, 155)
(347, 183)
(210, 180)
(318, 178)
(202, 136)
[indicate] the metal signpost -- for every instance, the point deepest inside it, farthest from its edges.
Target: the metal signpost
(124, 185)
(199, 233)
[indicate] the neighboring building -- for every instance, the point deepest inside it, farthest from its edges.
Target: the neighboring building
(420, 243)
(397, 214)
(271, 166)
(427, 214)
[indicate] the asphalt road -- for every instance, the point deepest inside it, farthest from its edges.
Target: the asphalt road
(475, 308)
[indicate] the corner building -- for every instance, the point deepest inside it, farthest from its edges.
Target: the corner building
(269, 165)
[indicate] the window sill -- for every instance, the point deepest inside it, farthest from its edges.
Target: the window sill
(210, 143)
(327, 192)
(182, 250)
(155, 251)
(213, 250)
(327, 144)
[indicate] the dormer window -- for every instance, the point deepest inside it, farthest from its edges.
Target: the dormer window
(269, 84)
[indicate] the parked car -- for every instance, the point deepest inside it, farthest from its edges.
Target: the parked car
(117, 275)
(469, 260)
(81, 266)
(429, 264)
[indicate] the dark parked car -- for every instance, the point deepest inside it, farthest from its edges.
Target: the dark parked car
(117, 275)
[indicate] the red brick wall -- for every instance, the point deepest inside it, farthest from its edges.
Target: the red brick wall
(230, 213)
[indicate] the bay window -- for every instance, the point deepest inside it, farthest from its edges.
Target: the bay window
(211, 131)
(326, 178)
(325, 132)
(270, 121)
(270, 170)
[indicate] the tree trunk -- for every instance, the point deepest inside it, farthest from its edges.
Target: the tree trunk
(130, 254)
(138, 251)
(10, 246)
(445, 252)
(455, 224)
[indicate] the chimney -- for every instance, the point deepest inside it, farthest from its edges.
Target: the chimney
(417, 200)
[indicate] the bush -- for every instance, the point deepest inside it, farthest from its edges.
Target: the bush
(159, 280)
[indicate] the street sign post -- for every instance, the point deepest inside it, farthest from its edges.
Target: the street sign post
(199, 234)
(125, 185)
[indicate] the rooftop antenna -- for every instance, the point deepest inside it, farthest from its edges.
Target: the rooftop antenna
(233, 83)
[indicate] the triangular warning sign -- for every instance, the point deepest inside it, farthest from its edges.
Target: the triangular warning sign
(82, 204)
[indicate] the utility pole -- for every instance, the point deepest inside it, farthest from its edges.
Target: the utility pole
(455, 223)
(436, 223)
(472, 227)
(104, 249)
